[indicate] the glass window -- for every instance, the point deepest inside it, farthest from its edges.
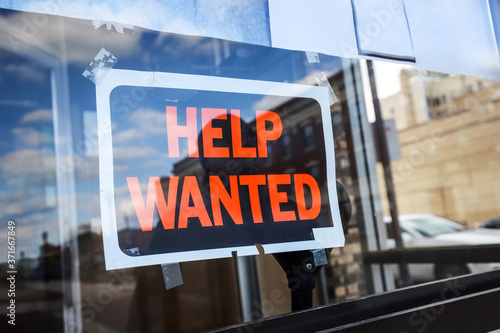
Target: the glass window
(287, 145)
(308, 132)
(437, 173)
(314, 171)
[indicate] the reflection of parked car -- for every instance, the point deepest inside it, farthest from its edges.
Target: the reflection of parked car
(426, 230)
(489, 224)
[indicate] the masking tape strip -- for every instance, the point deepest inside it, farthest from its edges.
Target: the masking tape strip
(319, 257)
(312, 57)
(120, 28)
(322, 81)
(100, 66)
(172, 275)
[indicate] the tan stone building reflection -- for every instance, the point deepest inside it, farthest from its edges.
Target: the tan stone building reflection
(448, 131)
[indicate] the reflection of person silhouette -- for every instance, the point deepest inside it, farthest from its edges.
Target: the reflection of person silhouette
(231, 172)
(49, 262)
(229, 234)
(227, 170)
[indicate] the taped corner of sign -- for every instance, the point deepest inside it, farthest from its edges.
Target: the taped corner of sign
(172, 275)
(322, 81)
(134, 252)
(98, 68)
(319, 257)
(327, 238)
(120, 28)
(312, 57)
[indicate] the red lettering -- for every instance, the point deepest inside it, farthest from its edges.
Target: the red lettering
(154, 197)
(304, 179)
(191, 189)
(262, 134)
(253, 182)
(174, 132)
(219, 195)
(210, 133)
(278, 198)
(238, 149)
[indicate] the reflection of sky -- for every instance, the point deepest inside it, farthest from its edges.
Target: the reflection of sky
(26, 143)
(237, 20)
(27, 186)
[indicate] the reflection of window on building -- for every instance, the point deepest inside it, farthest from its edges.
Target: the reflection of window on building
(308, 132)
(343, 162)
(287, 145)
(313, 170)
(337, 118)
(269, 154)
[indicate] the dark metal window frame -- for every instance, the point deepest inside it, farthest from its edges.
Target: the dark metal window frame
(469, 303)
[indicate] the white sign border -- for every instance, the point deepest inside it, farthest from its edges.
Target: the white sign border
(326, 237)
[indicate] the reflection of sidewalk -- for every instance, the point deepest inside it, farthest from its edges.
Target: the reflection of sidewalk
(93, 288)
(32, 291)
(35, 297)
(24, 307)
(53, 285)
(107, 304)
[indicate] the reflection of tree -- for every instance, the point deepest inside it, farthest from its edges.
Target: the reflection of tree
(49, 263)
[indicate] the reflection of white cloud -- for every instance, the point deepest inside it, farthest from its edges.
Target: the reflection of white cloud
(17, 166)
(126, 153)
(24, 202)
(124, 191)
(120, 167)
(126, 208)
(38, 115)
(87, 169)
(29, 136)
(90, 202)
(32, 217)
(155, 163)
(26, 71)
(10, 204)
(127, 136)
(125, 205)
(387, 76)
(149, 120)
(22, 161)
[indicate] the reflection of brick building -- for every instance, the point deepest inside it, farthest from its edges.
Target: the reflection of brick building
(449, 165)
(297, 151)
(431, 96)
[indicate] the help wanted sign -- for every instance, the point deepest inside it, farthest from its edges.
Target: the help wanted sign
(198, 167)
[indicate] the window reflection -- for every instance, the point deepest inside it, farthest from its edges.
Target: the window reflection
(447, 128)
(28, 194)
(308, 133)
